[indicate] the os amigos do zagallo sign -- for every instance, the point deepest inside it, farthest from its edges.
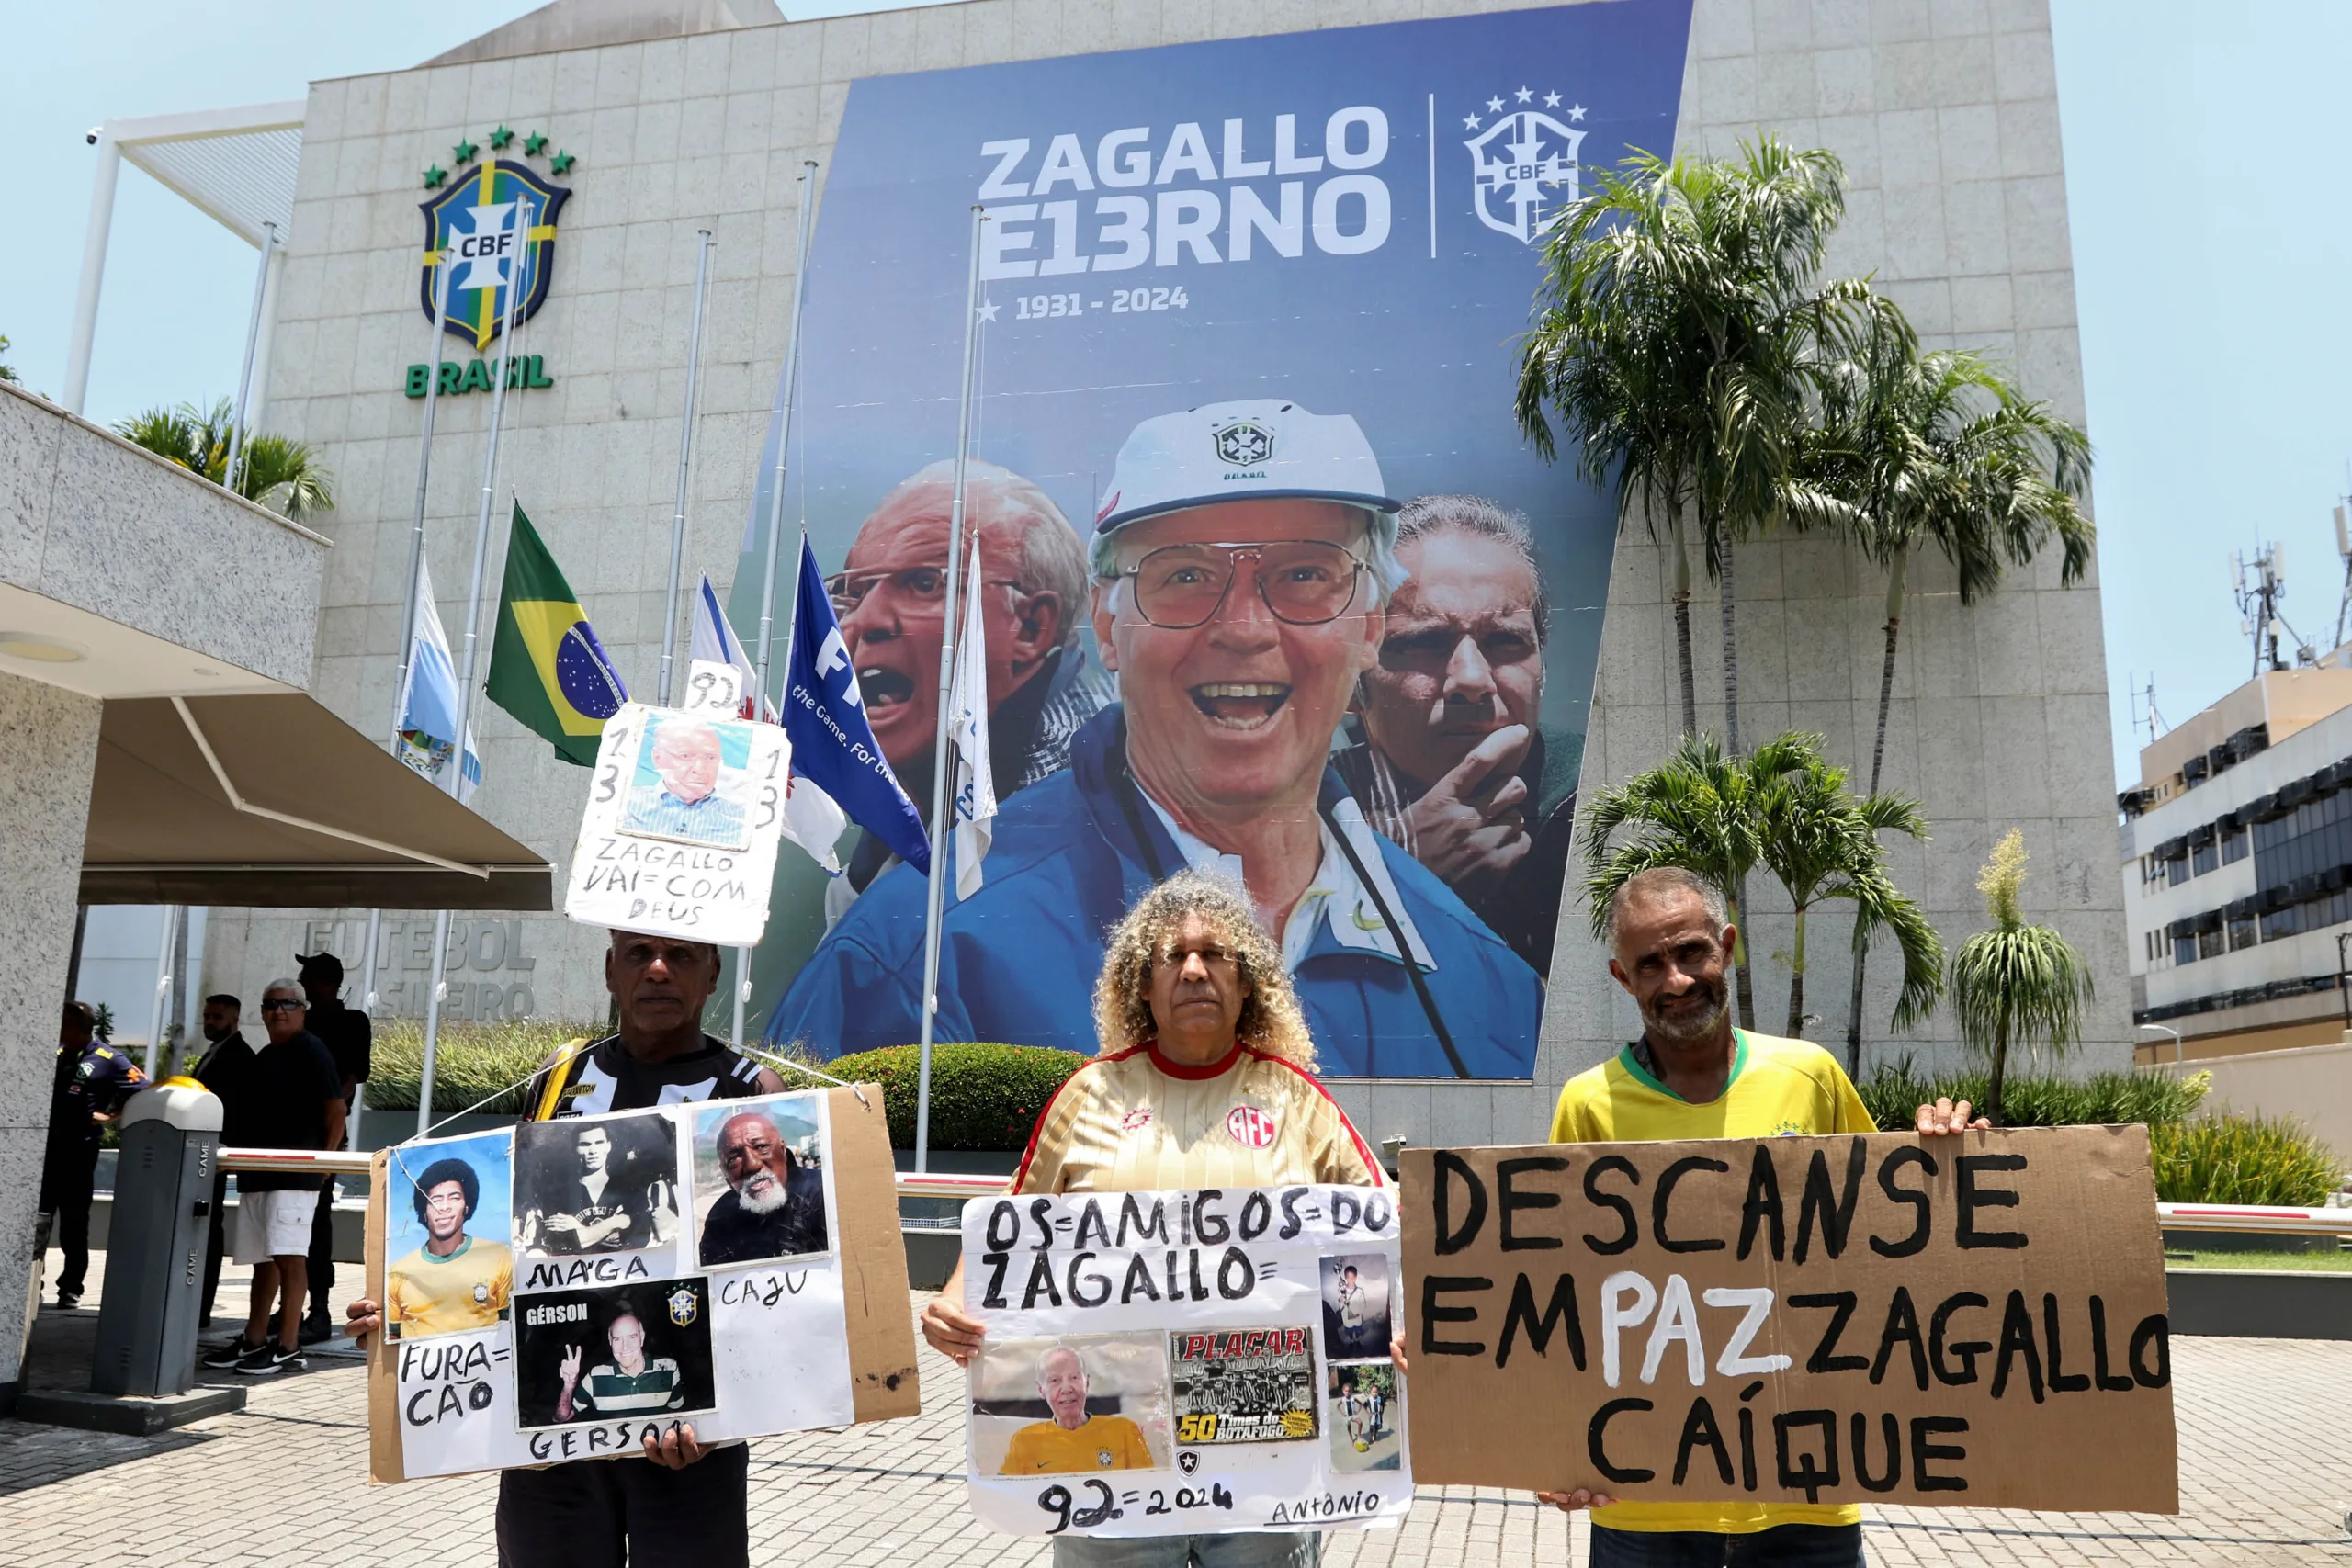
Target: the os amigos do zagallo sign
(489, 251)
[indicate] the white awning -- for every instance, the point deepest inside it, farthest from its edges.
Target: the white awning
(235, 166)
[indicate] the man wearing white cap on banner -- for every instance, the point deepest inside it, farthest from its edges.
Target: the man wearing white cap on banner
(1241, 560)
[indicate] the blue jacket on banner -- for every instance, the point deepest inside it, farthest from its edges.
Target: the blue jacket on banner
(824, 716)
(1018, 959)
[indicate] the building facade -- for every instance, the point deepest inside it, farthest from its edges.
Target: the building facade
(1945, 114)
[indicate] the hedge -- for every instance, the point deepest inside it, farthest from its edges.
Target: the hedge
(473, 1060)
(982, 1097)
(2242, 1159)
(1895, 1094)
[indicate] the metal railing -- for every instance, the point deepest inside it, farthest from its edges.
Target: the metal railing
(931, 1185)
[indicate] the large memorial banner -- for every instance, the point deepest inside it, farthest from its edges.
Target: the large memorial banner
(560, 1290)
(1186, 1363)
(1319, 242)
(1972, 1321)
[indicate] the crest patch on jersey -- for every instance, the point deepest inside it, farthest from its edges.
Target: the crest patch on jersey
(1136, 1120)
(481, 1292)
(1250, 1127)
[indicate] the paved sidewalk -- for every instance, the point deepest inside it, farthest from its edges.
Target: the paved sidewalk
(2266, 1463)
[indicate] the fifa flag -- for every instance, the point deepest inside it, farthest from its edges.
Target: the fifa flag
(546, 666)
(431, 701)
(824, 714)
(968, 726)
(811, 818)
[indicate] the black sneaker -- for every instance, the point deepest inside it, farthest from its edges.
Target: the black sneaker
(229, 1355)
(271, 1360)
(314, 1330)
(67, 1302)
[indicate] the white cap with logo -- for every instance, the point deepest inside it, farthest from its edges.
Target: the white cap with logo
(1259, 449)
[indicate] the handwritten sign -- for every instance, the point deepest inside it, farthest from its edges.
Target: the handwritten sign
(714, 688)
(1977, 1320)
(685, 814)
(561, 1290)
(1186, 1363)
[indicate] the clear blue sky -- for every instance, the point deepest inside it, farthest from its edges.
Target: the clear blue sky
(2211, 232)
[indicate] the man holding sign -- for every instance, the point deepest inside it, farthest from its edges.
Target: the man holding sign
(1693, 1075)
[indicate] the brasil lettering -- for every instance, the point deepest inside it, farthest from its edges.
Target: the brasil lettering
(522, 370)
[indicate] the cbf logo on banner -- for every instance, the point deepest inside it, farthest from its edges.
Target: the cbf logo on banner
(1526, 162)
(495, 226)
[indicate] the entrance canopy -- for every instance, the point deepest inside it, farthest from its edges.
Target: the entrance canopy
(270, 800)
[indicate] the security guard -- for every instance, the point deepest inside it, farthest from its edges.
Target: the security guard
(93, 1080)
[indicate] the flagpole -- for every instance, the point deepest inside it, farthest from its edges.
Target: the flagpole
(775, 529)
(513, 290)
(245, 376)
(939, 823)
(685, 454)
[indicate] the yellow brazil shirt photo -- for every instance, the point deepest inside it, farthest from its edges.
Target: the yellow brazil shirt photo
(468, 1289)
(1778, 1087)
(1104, 1442)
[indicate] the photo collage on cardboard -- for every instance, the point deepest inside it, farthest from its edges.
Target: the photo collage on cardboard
(1364, 1404)
(604, 1252)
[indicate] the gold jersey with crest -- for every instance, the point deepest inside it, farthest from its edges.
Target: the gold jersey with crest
(1104, 1442)
(1137, 1122)
(468, 1289)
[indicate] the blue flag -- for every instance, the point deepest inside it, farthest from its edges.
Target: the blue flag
(824, 715)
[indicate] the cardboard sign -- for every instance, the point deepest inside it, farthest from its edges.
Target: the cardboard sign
(558, 1289)
(1972, 1321)
(1184, 1363)
(679, 838)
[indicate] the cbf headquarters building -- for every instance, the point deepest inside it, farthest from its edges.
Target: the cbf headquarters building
(1261, 214)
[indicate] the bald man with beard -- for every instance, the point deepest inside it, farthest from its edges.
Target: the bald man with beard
(774, 1205)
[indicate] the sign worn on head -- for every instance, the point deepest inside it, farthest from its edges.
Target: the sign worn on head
(1976, 1320)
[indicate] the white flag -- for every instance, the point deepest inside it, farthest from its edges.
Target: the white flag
(968, 726)
(811, 818)
(432, 701)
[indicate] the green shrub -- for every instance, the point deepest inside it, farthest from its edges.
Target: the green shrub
(473, 1060)
(1894, 1093)
(982, 1097)
(2231, 1158)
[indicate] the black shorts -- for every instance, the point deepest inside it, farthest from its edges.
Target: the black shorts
(601, 1513)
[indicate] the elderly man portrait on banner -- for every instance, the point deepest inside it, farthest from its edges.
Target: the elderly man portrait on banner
(1694, 1074)
(690, 1506)
(1241, 564)
(891, 596)
(1452, 762)
(1199, 1026)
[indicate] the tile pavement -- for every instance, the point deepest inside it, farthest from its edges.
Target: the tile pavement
(2266, 1463)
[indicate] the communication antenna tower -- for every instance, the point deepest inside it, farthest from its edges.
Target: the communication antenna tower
(2143, 708)
(2259, 584)
(2343, 548)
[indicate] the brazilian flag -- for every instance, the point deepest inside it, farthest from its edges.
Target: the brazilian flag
(546, 666)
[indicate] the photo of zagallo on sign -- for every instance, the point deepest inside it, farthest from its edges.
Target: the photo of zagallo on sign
(1796, 1320)
(1184, 1363)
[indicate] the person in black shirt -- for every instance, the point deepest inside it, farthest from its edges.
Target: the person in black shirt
(93, 1080)
(296, 1104)
(689, 1509)
(350, 1041)
(226, 1070)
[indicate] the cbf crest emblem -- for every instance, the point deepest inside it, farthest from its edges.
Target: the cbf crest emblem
(1245, 444)
(685, 1303)
(493, 228)
(1525, 163)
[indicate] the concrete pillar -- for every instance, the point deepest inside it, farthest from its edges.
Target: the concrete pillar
(49, 746)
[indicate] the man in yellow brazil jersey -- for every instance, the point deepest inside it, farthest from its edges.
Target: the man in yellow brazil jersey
(1693, 1075)
(1072, 1440)
(454, 1280)
(1205, 1078)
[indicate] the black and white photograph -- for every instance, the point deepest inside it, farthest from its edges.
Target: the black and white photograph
(1367, 1418)
(760, 1180)
(602, 1185)
(640, 1351)
(1243, 1385)
(1070, 1405)
(1355, 1307)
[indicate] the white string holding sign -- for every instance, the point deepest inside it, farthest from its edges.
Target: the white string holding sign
(685, 814)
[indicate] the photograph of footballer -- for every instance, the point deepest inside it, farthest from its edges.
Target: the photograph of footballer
(632, 1352)
(759, 1179)
(1082, 1402)
(1355, 1307)
(445, 1224)
(604, 1185)
(1366, 1417)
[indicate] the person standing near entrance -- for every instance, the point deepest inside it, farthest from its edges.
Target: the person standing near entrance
(297, 1105)
(690, 1508)
(350, 1040)
(1694, 1074)
(226, 1069)
(92, 1080)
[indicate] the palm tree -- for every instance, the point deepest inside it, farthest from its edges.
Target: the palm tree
(2016, 984)
(1675, 335)
(1938, 449)
(1823, 843)
(272, 471)
(6, 374)
(1695, 810)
